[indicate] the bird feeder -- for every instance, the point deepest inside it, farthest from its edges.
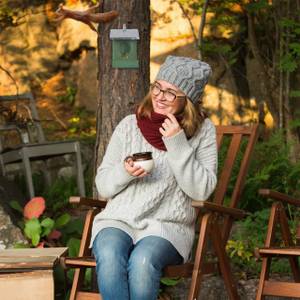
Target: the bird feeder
(124, 47)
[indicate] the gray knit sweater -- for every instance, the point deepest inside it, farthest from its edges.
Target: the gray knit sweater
(160, 203)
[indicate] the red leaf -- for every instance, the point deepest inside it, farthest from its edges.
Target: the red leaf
(40, 245)
(34, 208)
(54, 235)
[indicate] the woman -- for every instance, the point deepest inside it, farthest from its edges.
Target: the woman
(148, 222)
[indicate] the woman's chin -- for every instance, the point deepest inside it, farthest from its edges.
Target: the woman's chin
(162, 111)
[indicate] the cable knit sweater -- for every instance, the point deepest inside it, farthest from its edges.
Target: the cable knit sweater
(160, 203)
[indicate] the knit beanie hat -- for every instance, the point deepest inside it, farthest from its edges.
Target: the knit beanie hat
(189, 75)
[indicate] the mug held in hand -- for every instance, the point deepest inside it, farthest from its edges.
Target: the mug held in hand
(142, 159)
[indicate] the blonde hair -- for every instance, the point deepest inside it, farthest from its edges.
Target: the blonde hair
(192, 114)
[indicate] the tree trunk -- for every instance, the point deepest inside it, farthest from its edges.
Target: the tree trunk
(262, 75)
(120, 89)
(201, 28)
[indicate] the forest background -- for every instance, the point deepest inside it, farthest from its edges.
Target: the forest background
(252, 46)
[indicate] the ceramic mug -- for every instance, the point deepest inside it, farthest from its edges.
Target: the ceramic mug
(142, 159)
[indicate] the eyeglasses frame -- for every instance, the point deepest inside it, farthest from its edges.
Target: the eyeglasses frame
(163, 91)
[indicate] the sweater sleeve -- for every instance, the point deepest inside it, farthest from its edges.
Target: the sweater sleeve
(112, 177)
(194, 168)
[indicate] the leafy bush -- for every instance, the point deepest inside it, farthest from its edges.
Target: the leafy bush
(69, 96)
(249, 234)
(270, 167)
(41, 228)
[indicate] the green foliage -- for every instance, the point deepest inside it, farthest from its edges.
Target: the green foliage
(58, 194)
(168, 281)
(270, 168)
(16, 205)
(47, 225)
(69, 96)
(237, 248)
(295, 123)
(295, 93)
(63, 220)
(33, 231)
(73, 244)
(211, 47)
(39, 229)
(289, 61)
(82, 125)
(256, 6)
(56, 216)
(249, 234)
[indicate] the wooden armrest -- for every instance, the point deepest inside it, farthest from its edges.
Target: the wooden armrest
(209, 206)
(76, 262)
(279, 196)
(87, 201)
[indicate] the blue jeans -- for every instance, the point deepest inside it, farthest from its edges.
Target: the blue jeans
(127, 271)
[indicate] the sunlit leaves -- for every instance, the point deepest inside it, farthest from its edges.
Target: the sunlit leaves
(257, 6)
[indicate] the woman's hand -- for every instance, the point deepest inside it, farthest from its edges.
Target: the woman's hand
(135, 171)
(170, 126)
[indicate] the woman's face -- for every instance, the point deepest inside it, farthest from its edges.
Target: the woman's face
(167, 98)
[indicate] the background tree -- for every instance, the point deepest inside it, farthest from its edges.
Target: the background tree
(258, 43)
(120, 89)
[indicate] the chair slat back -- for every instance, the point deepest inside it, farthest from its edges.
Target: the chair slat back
(28, 97)
(237, 134)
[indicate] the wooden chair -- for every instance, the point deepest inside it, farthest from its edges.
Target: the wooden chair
(214, 221)
(34, 147)
(290, 250)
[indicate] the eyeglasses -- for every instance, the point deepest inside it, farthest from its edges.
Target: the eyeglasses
(168, 94)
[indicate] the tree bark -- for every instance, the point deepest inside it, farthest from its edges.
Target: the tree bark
(120, 89)
(201, 28)
(262, 75)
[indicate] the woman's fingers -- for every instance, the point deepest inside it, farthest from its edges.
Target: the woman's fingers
(172, 118)
(129, 161)
(136, 171)
(143, 174)
(168, 122)
(165, 125)
(162, 131)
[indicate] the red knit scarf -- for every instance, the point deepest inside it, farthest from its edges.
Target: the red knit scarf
(150, 129)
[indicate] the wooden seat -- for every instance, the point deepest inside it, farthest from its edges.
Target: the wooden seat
(278, 219)
(35, 148)
(214, 220)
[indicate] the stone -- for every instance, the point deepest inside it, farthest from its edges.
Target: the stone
(10, 234)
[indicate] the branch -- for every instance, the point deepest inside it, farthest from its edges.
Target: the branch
(86, 16)
(59, 121)
(201, 27)
(11, 77)
(189, 20)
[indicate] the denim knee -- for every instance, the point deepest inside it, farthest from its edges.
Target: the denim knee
(111, 244)
(142, 264)
(144, 276)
